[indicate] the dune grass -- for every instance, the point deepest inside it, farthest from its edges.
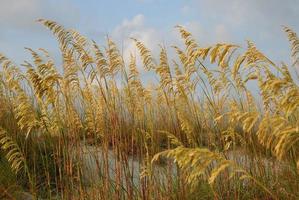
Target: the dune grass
(199, 125)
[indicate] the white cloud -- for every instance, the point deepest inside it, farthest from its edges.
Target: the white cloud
(152, 37)
(135, 28)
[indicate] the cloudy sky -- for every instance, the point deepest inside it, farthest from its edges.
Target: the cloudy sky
(151, 21)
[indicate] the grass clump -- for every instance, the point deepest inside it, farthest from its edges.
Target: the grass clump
(198, 132)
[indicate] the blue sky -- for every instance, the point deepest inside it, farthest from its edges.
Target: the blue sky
(151, 21)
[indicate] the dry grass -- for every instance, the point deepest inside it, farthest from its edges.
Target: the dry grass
(198, 133)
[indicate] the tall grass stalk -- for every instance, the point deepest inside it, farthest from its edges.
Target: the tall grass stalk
(97, 131)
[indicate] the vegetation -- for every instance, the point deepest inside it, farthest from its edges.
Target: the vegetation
(198, 132)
